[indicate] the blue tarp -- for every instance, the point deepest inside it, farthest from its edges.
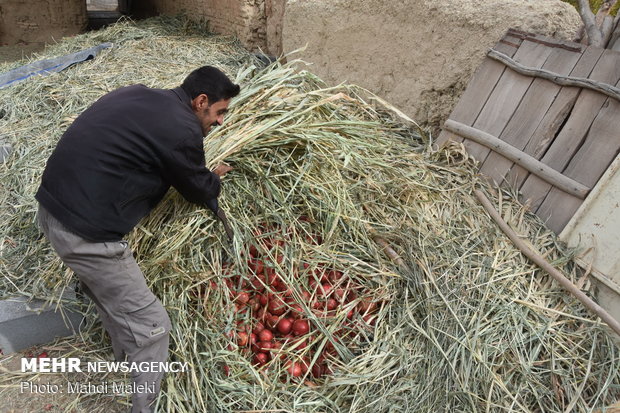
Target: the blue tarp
(49, 66)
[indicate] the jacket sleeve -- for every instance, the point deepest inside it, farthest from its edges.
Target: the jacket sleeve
(184, 168)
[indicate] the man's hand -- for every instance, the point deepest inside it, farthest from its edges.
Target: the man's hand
(222, 169)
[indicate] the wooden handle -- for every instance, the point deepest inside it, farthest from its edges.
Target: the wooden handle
(544, 264)
(545, 172)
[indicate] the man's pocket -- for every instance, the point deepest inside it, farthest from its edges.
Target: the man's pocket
(116, 249)
(149, 323)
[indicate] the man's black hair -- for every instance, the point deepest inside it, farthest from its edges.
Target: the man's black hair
(210, 81)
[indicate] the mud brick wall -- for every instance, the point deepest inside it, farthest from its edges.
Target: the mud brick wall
(417, 54)
(40, 21)
(246, 19)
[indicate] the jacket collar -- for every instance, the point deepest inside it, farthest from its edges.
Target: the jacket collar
(183, 96)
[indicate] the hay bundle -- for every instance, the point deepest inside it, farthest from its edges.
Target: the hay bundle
(466, 324)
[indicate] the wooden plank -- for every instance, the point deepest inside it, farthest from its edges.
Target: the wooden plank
(588, 165)
(542, 262)
(506, 96)
(594, 227)
(573, 133)
(549, 41)
(529, 113)
(554, 118)
(533, 165)
(479, 88)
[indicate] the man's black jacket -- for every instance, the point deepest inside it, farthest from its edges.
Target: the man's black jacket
(120, 156)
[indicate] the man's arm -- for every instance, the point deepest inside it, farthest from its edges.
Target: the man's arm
(184, 168)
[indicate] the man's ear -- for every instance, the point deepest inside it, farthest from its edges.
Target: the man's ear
(200, 102)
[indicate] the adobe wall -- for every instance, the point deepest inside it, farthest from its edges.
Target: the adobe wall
(417, 54)
(252, 21)
(40, 21)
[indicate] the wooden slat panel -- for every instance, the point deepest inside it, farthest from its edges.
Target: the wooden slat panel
(529, 113)
(588, 165)
(553, 119)
(574, 131)
(479, 88)
(509, 91)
